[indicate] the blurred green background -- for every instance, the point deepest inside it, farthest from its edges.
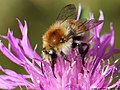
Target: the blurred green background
(40, 14)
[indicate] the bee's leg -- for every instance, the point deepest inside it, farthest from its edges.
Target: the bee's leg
(53, 56)
(80, 48)
(65, 57)
(53, 61)
(42, 68)
(83, 51)
(53, 66)
(74, 45)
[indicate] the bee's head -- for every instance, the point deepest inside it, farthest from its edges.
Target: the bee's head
(50, 52)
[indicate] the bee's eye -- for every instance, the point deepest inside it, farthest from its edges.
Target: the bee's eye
(44, 50)
(53, 54)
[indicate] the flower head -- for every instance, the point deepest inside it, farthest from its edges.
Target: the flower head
(98, 73)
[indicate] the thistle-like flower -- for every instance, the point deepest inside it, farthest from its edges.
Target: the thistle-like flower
(98, 72)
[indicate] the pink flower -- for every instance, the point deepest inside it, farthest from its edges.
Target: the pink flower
(98, 73)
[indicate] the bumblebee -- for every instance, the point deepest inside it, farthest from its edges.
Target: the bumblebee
(67, 33)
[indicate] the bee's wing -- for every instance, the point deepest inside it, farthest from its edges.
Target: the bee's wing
(93, 23)
(69, 11)
(88, 24)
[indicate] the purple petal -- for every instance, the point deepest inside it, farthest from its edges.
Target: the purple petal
(79, 12)
(99, 27)
(25, 43)
(8, 54)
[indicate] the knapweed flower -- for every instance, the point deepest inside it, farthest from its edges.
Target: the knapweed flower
(98, 72)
